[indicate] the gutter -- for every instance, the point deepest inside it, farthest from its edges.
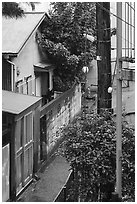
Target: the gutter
(6, 55)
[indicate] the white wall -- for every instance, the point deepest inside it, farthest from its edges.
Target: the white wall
(28, 56)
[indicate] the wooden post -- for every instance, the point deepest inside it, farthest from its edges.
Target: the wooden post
(12, 163)
(119, 102)
(103, 55)
(36, 135)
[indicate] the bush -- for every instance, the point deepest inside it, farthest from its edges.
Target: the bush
(90, 148)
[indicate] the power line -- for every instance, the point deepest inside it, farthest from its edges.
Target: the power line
(130, 6)
(119, 36)
(126, 40)
(114, 15)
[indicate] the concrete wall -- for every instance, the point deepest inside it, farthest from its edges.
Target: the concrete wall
(59, 113)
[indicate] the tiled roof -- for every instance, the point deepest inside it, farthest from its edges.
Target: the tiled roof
(16, 32)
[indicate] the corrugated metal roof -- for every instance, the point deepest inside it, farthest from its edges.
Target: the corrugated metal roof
(15, 103)
(15, 32)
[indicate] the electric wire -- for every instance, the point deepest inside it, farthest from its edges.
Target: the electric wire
(127, 25)
(130, 5)
(114, 15)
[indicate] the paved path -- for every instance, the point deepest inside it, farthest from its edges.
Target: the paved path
(51, 181)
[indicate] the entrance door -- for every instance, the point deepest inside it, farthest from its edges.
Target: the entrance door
(24, 151)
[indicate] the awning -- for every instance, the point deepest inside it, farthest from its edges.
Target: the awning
(16, 103)
(43, 67)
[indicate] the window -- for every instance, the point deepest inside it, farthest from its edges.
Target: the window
(19, 132)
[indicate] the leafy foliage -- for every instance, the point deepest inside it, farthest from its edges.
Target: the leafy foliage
(64, 41)
(11, 9)
(14, 9)
(128, 164)
(90, 148)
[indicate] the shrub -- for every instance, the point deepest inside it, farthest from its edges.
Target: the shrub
(90, 148)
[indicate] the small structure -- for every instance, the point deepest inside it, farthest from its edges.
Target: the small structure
(20, 138)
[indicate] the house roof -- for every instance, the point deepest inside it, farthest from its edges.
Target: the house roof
(16, 31)
(43, 67)
(16, 103)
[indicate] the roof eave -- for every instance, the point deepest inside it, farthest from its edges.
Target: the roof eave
(14, 54)
(6, 55)
(45, 14)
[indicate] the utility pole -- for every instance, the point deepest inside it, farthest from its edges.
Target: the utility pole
(119, 102)
(103, 55)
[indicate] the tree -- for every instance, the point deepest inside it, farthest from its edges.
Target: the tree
(11, 9)
(14, 10)
(63, 39)
(90, 148)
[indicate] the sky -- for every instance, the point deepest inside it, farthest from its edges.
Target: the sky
(43, 6)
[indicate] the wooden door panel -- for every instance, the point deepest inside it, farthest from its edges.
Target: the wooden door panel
(5, 173)
(24, 150)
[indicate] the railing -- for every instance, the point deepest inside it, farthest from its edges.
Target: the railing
(63, 194)
(27, 86)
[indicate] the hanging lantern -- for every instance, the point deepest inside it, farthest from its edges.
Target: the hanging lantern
(110, 89)
(89, 37)
(85, 69)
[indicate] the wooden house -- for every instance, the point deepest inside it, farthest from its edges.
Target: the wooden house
(25, 68)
